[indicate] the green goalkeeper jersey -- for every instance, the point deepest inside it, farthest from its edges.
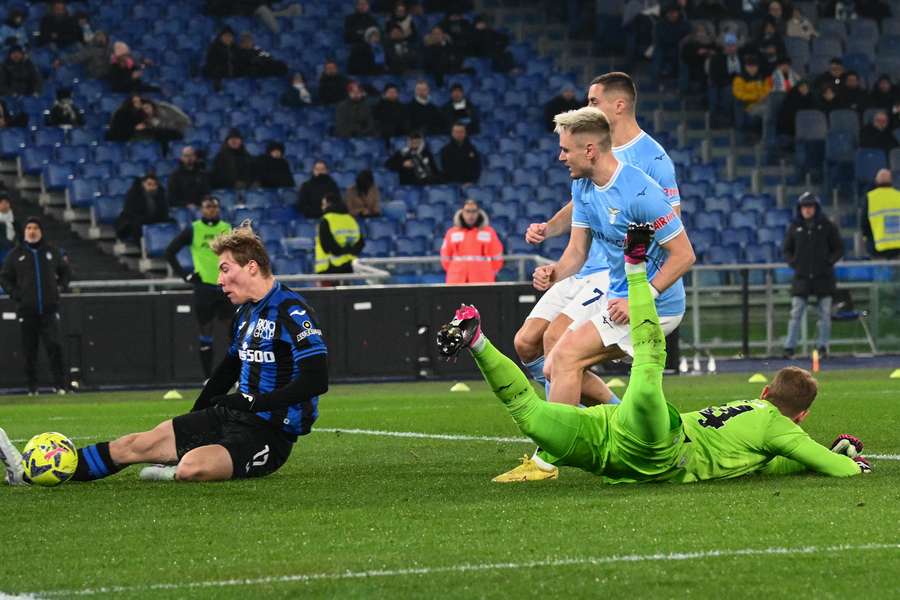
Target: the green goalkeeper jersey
(749, 436)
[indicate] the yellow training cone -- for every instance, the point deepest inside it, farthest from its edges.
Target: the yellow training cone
(460, 387)
(172, 395)
(757, 378)
(615, 382)
(895, 374)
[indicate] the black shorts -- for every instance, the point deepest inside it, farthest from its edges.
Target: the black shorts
(256, 448)
(210, 303)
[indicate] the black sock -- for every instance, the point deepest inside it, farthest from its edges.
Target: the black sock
(94, 462)
(206, 355)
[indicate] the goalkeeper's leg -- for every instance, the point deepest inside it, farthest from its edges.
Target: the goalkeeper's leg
(563, 431)
(644, 413)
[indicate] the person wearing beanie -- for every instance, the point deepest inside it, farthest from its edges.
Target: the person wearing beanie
(233, 166)
(273, 169)
(33, 274)
(812, 245)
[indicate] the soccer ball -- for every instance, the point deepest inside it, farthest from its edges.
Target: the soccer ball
(49, 459)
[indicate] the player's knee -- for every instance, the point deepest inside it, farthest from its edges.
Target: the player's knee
(527, 345)
(191, 469)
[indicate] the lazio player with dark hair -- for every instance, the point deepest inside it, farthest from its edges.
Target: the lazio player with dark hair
(277, 356)
(644, 438)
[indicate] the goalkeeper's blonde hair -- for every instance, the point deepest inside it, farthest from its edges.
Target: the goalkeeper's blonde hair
(244, 246)
(586, 120)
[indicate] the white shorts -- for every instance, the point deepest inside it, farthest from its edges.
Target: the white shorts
(620, 334)
(578, 299)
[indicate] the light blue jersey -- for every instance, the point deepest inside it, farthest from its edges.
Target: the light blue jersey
(649, 156)
(630, 196)
(596, 258)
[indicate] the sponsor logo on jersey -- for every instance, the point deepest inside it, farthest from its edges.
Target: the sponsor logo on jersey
(256, 356)
(663, 221)
(670, 192)
(299, 313)
(265, 329)
(308, 332)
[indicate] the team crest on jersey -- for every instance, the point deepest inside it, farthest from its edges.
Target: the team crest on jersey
(613, 213)
(265, 329)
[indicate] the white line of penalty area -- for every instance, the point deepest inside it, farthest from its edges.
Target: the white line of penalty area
(470, 568)
(447, 437)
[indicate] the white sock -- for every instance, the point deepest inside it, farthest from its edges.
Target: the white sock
(542, 464)
(478, 345)
(635, 268)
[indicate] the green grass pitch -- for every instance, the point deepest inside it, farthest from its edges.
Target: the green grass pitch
(365, 515)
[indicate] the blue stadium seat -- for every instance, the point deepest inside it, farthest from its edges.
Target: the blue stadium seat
(73, 154)
(844, 119)
(259, 199)
(740, 218)
(130, 169)
(770, 235)
(376, 248)
(444, 194)
(240, 214)
(304, 228)
(742, 236)
(12, 142)
(827, 46)
(868, 162)
(271, 232)
(840, 153)
(762, 253)
(723, 254)
(94, 170)
(423, 229)
(144, 152)
(700, 188)
(105, 210)
(863, 29)
(395, 210)
(757, 204)
(530, 178)
(709, 219)
(704, 173)
(33, 160)
(82, 192)
(509, 210)
(811, 127)
(778, 218)
(380, 229)
(410, 246)
(157, 237)
(517, 193)
(539, 211)
(56, 177)
(49, 137)
(720, 203)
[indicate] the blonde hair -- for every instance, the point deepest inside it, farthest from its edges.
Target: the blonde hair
(792, 390)
(244, 247)
(587, 120)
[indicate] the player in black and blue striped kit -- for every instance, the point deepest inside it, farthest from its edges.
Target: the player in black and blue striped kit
(279, 359)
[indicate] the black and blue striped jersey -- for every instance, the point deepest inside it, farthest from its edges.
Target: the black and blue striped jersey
(271, 338)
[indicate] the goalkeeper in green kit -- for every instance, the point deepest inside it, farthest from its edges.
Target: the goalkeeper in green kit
(644, 438)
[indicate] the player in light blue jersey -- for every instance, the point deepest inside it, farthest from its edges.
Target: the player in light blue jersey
(612, 195)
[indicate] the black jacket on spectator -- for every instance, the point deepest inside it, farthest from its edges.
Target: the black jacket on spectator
(557, 105)
(460, 163)
(188, 186)
(255, 62)
(221, 60)
(883, 100)
(332, 88)
(871, 137)
(811, 248)
(11, 119)
(19, 78)
(355, 26)
(273, 172)
(309, 199)
(123, 123)
(141, 209)
(19, 277)
(400, 56)
(719, 76)
(855, 98)
(466, 114)
(794, 101)
(362, 60)
(391, 118)
(426, 118)
(62, 31)
(423, 170)
(232, 168)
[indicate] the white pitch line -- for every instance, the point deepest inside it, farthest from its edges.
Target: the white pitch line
(447, 437)
(468, 568)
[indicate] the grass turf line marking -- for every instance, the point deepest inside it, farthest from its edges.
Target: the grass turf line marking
(468, 568)
(435, 436)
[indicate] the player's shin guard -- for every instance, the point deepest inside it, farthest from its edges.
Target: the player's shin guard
(206, 354)
(646, 334)
(94, 462)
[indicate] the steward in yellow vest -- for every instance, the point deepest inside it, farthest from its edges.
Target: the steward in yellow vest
(881, 217)
(339, 239)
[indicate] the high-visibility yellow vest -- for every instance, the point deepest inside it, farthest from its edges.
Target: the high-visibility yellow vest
(345, 231)
(884, 218)
(206, 263)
